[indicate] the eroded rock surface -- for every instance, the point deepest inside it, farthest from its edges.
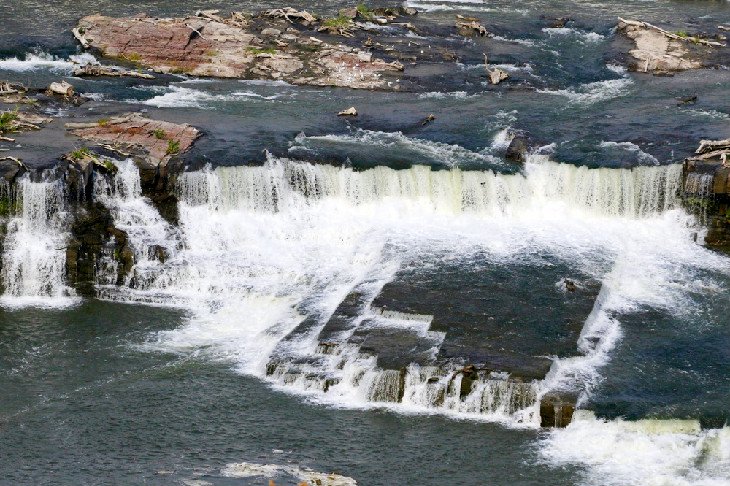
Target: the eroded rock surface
(236, 47)
(657, 50)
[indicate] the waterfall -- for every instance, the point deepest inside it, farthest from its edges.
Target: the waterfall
(282, 184)
(151, 237)
(265, 254)
(34, 253)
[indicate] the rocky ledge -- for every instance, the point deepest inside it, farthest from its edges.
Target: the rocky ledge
(657, 50)
(280, 44)
(707, 190)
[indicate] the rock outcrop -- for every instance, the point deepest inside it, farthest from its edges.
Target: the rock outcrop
(707, 190)
(657, 50)
(273, 46)
(154, 145)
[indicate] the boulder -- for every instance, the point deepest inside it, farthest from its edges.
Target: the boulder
(348, 112)
(61, 88)
(556, 409)
(518, 148)
(470, 26)
(496, 76)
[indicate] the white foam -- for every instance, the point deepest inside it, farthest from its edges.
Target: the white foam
(182, 97)
(34, 256)
(438, 152)
(595, 92)
(583, 36)
(641, 156)
(646, 452)
(273, 471)
(40, 60)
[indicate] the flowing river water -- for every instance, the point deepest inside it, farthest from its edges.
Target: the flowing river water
(209, 367)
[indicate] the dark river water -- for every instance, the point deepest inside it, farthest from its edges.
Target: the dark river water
(289, 209)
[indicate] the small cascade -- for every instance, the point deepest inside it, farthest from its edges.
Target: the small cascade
(698, 195)
(283, 184)
(153, 240)
(34, 253)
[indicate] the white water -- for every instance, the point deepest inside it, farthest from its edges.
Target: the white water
(41, 60)
(34, 250)
(260, 248)
(645, 452)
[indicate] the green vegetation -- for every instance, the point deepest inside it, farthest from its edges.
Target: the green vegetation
(79, 154)
(160, 134)
(103, 122)
(132, 57)
(109, 166)
(6, 121)
(6, 207)
(682, 34)
(364, 12)
(257, 50)
(339, 22)
(173, 147)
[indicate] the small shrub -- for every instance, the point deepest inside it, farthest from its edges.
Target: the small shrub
(339, 22)
(79, 154)
(6, 121)
(159, 134)
(173, 147)
(103, 122)
(364, 12)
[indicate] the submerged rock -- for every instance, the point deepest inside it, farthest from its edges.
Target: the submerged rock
(470, 26)
(657, 50)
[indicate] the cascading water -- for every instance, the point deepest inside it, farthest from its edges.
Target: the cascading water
(151, 237)
(34, 251)
(261, 248)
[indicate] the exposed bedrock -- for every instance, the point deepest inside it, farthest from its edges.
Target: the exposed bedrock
(275, 45)
(656, 50)
(707, 190)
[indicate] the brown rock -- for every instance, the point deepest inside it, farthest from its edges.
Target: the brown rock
(225, 48)
(158, 140)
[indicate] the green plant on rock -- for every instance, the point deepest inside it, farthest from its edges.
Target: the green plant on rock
(339, 22)
(159, 134)
(6, 207)
(79, 154)
(365, 12)
(7, 119)
(103, 122)
(682, 34)
(173, 147)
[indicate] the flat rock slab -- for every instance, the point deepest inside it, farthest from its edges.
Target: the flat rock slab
(510, 317)
(159, 140)
(230, 48)
(658, 50)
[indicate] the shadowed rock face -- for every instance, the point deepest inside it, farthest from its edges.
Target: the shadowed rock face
(234, 48)
(658, 50)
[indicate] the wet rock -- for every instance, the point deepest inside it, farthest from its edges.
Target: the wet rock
(429, 119)
(61, 88)
(556, 409)
(11, 168)
(518, 148)
(228, 48)
(687, 100)
(470, 26)
(560, 22)
(657, 50)
(96, 70)
(21, 121)
(12, 92)
(496, 76)
(348, 112)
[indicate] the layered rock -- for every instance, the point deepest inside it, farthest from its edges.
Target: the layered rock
(154, 144)
(707, 189)
(236, 47)
(657, 50)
